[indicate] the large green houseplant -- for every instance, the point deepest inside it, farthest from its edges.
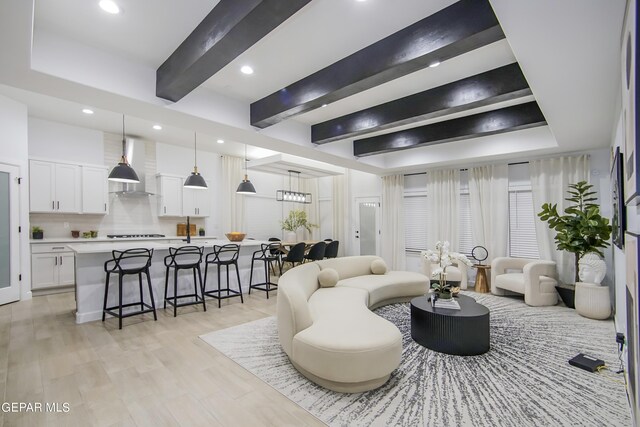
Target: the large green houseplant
(581, 229)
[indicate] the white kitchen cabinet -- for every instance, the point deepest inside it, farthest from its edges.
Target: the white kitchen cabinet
(195, 203)
(54, 187)
(52, 267)
(95, 190)
(169, 190)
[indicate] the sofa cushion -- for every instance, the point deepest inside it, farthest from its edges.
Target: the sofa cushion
(394, 284)
(328, 278)
(378, 266)
(515, 282)
(350, 266)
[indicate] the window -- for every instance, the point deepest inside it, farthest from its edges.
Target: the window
(415, 222)
(522, 230)
(465, 236)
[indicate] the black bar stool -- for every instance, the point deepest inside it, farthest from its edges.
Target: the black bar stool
(265, 255)
(225, 255)
(184, 258)
(131, 261)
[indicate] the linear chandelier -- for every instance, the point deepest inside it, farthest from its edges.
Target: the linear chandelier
(293, 196)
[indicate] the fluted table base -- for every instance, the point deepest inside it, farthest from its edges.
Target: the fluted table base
(463, 332)
(593, 301)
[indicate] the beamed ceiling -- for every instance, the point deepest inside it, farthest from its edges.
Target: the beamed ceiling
(352, 83)
(466, 25)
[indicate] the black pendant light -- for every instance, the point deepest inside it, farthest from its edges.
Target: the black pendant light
(123, 172)
(195, 180)
(246, 187)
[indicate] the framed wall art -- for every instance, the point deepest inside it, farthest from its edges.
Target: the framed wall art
(619, 216)
(629, 68)
(632, 261)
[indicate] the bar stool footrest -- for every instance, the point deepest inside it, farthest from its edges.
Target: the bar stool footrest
(233, 293)
(263, 286)
(198, 300)
(109, 311)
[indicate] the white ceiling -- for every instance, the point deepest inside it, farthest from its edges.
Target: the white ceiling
(568, 52)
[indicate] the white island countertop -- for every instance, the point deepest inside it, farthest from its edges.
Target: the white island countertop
(124, 244)
(83, 240)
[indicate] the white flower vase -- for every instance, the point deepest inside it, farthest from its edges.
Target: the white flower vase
(300, 235)
(291, 236)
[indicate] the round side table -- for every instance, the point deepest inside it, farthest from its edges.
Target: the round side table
(482, 284)
(593, 301)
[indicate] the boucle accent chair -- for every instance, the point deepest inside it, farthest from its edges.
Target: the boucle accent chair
(457, 271)
(326, 325)
(534, 278)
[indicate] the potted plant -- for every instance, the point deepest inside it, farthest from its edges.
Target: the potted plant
(201, 231)
(580, 230)
(296, 220)
(37, 232)
(444, 259)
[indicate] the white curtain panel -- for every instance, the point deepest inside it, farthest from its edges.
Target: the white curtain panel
(443, 199)
(339, 211)
(310, 185)
(489, 195)
(232, 203)
(550, 179)
(392, 239)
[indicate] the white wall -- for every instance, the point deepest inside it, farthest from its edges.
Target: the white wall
(65, 143)
(14, 151)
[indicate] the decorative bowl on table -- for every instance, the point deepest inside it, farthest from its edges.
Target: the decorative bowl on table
(235, 236)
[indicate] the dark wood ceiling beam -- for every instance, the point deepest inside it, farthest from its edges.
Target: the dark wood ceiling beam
(229, 29)
(498, 85)
(507, 119)
(454, 30)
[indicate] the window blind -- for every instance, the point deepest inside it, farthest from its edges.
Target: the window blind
(522, 232)
(465, 236)
(415, 222)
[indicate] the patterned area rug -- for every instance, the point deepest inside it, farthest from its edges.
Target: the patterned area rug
(523, 380)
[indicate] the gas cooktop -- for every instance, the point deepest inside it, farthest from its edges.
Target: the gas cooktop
(132, 236)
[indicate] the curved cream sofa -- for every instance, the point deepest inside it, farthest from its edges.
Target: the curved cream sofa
(330, 334)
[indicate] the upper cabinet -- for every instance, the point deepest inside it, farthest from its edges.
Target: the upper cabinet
(95, 190)
(54, 187)
(175, 200)
(169, 195)
(195, 202)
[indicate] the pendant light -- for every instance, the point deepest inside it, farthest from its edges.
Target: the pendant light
(195, 180)
(123, 172)
(293, 196)
(246, 187)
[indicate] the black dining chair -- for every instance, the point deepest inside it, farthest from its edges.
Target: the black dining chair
(264, 254)
(296, 254)
(316, 253)
(132, 261)
(332, 249)
(223, 256)
(184, 258)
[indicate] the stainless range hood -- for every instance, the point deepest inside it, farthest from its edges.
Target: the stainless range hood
(137, 157)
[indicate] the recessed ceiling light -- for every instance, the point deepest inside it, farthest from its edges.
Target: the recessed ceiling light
(220, 141)
(109, 6)
(87, 111)
(324, 105)
(434, 64)
(246, 69)
(157, 127)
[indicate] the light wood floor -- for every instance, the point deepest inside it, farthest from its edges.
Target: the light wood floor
(147, 374)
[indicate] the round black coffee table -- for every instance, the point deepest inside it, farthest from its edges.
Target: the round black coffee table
(463, 332)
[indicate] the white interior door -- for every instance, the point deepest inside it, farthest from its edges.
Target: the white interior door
(9, 245)
(367, 226)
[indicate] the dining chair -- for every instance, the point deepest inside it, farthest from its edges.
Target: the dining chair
(296, 254)
(316, 253)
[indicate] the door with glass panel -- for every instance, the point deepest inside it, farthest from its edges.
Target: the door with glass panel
(9, 247)
(367, 225)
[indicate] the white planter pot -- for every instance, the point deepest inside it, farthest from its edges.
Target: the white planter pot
(291, 236)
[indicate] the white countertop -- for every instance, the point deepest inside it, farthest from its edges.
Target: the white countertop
(83, 240)
(124, 244)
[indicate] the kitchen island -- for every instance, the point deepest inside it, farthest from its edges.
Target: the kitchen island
(90, 275)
